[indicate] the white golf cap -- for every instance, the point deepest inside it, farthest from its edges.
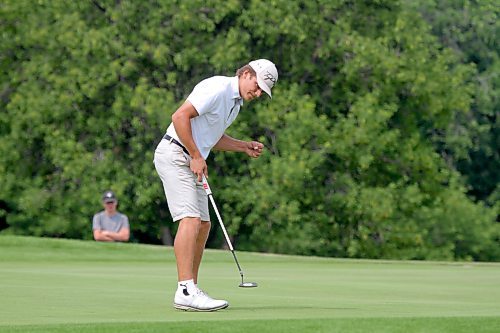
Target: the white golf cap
(267, 74)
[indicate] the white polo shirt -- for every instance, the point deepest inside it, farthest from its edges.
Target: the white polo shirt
(217, 101)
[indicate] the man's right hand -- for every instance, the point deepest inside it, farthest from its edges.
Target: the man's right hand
(199, 167)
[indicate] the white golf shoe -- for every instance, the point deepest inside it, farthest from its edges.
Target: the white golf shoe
(199, 301)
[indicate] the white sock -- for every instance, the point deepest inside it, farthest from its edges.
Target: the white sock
(187, 286)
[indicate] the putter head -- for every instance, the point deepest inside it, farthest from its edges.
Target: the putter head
(248, 285)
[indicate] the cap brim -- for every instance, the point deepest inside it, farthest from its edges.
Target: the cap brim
(264, 86)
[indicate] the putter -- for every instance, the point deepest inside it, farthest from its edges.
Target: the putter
(209, 193)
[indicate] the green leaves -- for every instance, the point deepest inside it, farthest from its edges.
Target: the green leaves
(368, 120)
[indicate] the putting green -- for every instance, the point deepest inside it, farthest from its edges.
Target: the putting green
(83, 286)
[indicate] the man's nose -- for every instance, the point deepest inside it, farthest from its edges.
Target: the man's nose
(258, 92)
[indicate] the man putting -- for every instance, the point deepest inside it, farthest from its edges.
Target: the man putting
(197, 126)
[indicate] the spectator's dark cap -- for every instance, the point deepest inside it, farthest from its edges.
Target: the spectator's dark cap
(109, 196)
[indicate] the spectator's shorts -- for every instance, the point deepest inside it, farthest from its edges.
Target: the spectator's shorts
(185, 195)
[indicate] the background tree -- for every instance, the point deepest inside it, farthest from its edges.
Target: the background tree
(361, 135)
(470, 29)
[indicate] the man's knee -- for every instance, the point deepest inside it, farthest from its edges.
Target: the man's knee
(205, 227)
(190, 220)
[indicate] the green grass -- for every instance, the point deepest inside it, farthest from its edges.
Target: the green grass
(52, 285)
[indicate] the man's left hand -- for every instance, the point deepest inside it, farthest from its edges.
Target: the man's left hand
(254, 149)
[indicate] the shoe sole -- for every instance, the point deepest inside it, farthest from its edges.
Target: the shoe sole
(189, 308)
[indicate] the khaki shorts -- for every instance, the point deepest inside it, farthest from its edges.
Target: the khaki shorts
(185, 195)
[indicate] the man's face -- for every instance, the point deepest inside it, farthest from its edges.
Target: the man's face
(249, 88)
(110, 205)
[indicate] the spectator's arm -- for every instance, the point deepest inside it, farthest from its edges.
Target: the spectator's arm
(122, 236)
(102, 236)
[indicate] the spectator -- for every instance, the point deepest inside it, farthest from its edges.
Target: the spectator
(110, 225)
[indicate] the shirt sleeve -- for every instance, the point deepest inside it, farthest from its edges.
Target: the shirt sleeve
(125, 223)
(96, 222)
(204, 97)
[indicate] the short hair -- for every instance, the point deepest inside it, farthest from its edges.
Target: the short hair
(242, 70)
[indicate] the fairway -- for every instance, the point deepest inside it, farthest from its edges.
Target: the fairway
(53, 285)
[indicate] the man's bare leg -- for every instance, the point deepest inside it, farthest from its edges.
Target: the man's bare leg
(201, 241)
(185, 246)
(188, 247)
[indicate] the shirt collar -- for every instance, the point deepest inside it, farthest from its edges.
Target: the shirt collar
(236, 90)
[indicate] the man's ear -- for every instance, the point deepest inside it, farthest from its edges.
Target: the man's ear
(247, 73)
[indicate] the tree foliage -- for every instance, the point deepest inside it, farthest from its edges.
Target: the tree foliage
(470, 29)
(361, 134)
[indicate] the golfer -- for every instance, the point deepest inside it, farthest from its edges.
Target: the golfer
(197, 126)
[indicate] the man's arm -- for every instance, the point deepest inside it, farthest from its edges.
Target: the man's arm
(102, 236)
(123, 235)
(251, 148)
(182, 124)
(108, 236)
(97, 231)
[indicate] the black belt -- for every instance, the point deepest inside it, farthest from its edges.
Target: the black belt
(171, 139)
